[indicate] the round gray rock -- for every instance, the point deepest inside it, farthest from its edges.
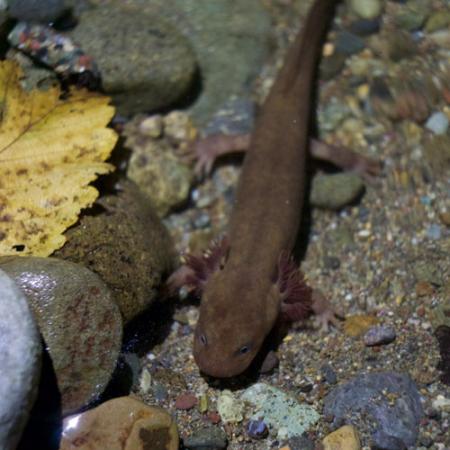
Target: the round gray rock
(20, 362)
(80, 323)
(144, 62)
(231, 39)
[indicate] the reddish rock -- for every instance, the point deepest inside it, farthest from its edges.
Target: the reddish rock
(186, 401)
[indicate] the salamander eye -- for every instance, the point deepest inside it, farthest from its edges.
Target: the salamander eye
(203, 339)
(244, 349)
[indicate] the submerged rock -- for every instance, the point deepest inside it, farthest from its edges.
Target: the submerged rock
(126, 244)
(335, 191)
(386, 404)
(144, 62)
(119, 424)
(20, 362)
(79, 321)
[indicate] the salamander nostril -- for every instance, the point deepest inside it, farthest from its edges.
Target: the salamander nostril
(203, 339)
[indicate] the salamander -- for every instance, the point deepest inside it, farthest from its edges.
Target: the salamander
(247, 281)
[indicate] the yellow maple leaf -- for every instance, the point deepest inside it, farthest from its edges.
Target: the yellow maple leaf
(51, 148)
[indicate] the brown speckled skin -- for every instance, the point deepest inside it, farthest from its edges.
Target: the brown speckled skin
(241, 302)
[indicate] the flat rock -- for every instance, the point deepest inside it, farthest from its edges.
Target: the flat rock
(231, 39)
(126, 244)
(121, 424)
(386, 404)
(280, 411)
(20, 361)
(145, 63)
(79, 321)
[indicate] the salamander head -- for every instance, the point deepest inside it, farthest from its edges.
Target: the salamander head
(231, 329)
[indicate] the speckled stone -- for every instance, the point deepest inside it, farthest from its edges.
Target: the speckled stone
(79, 321)
(380, 335)
(280, 411)
(20, 362)
(386, 403)
(366, 9)
(126, 244)
(145, 63)
(119, 424)
(230, 408)
(155, 167)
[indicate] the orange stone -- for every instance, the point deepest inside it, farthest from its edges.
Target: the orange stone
(123, 423)
(357, 325)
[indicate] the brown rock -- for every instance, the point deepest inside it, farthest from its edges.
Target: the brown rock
(186, 401)
(120, 424)
(126, 244)
(344, 438)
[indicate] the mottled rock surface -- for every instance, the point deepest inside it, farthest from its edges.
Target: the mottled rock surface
(387, 403)
(79, 321)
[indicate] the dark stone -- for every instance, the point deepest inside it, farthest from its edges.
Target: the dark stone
(348, 43)
(208, 438)
(386, 404)
(442, 334)
(365, 27)
(329, 374)
(43, 11)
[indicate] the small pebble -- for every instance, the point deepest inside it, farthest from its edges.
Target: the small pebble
(160, 392)
(437, 123)
(203, 403)
(365, 27)
(185, 401)
(331, 262)
(344, 438)
(257, 429)
(379, 335)
(229, 407)
(348, 43)
(329, 374)
(213, 417)
(434, 232)
(366, 9)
